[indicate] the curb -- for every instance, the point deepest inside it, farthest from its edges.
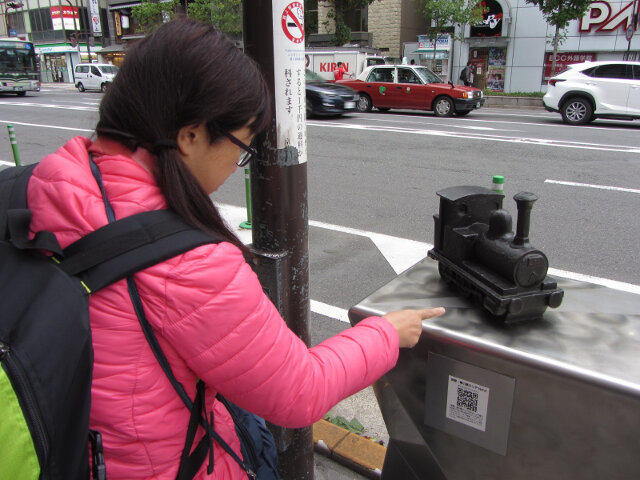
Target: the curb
(513, 102)
(360, 454)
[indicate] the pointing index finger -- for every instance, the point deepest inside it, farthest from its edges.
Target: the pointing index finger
(428, 313)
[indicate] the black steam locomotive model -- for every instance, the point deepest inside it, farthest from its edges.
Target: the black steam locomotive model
(478, 253)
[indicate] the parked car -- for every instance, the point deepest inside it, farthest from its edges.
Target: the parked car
(94, 76)
(327, 98)
(590, 90)
(412, 87)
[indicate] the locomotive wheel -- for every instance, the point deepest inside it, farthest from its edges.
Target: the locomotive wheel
(444, 273)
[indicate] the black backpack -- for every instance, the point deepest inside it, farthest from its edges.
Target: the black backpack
(45, 336)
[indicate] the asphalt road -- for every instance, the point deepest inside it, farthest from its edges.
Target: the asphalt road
(373, 180)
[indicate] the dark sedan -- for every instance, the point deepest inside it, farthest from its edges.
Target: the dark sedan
(326, 98)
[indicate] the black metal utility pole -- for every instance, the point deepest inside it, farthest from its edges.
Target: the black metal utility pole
(274, 37)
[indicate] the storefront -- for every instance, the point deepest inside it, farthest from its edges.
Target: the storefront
(511, 50)
(488, 45)
(441, 53)
(57, 61)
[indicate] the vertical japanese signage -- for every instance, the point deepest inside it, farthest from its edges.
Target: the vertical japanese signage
(289, 73)
(94, 10)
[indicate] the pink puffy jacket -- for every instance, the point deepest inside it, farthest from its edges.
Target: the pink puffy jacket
(211, 318)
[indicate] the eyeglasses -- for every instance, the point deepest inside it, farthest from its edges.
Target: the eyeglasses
(245, 156)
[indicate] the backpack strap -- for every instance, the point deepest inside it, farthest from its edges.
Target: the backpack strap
(126, 246)
(15, 216)
(162, 237)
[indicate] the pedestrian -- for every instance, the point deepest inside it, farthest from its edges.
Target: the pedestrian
(339, 71)
(172, 128)
(466, 75)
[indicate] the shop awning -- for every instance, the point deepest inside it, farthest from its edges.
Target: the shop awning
(115, 48)
(429, 50)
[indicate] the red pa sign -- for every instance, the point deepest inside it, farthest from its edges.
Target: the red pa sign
(603, 17)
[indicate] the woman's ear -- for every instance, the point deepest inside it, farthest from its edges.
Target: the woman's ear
(189, 138)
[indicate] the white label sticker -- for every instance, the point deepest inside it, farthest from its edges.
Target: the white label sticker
(289, 71)
(467, 403)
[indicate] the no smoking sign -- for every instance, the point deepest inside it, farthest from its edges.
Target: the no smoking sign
(293, 22)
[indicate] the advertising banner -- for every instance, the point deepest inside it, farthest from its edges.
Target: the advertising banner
(63, 18)
(563, 59)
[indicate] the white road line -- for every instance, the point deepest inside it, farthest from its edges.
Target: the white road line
(588, 185)
(330, 311)
(401, 253)
(416, 119)
(47, 126)
(458, 123)
(49, 105)
(485, 137)
(4, 162)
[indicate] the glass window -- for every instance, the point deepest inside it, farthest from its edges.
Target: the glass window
(406, 75)
(381, 75)
(311, 77)
(613, 70)
(428, 76)
(311, 16)
(636, 72)
(96, 72)
(357, 19)
(112, 69)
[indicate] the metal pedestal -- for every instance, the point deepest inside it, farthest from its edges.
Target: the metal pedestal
(553, 398)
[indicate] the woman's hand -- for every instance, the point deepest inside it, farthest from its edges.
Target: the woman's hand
(408, 323)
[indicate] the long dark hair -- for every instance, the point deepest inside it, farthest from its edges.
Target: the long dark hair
(184, 73)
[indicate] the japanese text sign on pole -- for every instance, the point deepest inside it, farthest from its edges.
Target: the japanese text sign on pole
(94, 8)
(289, 75)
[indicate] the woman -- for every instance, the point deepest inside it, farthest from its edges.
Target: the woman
(169, 134)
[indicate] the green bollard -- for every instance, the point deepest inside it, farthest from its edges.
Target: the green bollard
(247, 187)
(498, 184)
(14, 145)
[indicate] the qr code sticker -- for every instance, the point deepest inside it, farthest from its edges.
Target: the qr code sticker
(467, 399)
(467, 402)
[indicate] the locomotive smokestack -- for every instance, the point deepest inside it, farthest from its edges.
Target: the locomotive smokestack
(524, 201)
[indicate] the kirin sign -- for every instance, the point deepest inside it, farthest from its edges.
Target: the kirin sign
(604, 17)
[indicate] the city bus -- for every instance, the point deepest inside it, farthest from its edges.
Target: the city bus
(19, 70)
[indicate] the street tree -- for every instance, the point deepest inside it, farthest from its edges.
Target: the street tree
(224, 14)
(559, 13)
(443, 15)
(149, 14)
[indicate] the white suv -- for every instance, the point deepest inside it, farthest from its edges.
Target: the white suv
(590, 90)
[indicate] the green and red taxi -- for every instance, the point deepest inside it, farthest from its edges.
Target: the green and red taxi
(412, 87)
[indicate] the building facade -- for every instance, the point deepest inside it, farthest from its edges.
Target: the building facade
(511, 50)
(64, 32)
